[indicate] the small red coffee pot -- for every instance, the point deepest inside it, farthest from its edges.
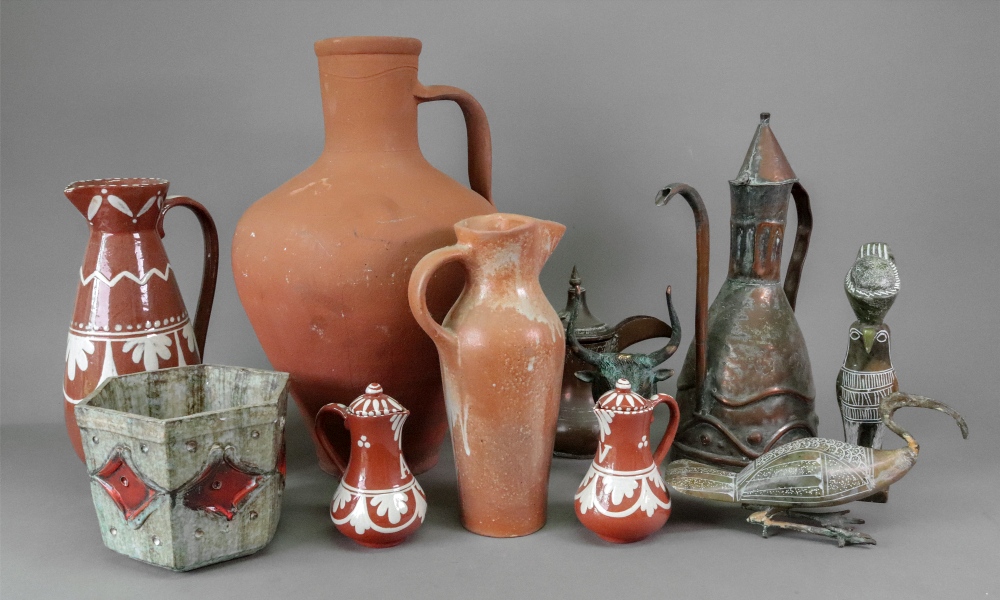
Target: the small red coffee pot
(622, 498)
(378, 502)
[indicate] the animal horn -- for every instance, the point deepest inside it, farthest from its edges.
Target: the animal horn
(898, 400)
(675, 335)
(586, 355)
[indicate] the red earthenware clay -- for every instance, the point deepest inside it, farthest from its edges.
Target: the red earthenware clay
(322, 263)
(501, 349)
(129, 315)
(622, 498)
(378, 502)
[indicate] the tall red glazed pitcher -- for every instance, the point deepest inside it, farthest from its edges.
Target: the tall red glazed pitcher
(322, 263)
(129, 314)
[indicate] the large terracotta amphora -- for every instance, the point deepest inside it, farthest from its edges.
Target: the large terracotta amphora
(322, 263)
(502, 347)
(129, 314)
(746, 385)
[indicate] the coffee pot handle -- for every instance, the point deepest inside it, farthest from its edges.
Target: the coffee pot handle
(419, 280)
(668, 435)
(321, 438)
(803, 212)
(210, 270)
(478, 130)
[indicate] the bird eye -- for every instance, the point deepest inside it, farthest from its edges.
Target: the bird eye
(855, 334)
(882, 337)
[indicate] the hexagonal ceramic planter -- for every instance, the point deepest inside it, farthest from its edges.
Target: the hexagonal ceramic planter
(187, 465)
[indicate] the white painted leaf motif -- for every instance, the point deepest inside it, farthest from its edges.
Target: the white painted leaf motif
(359, 518)
(648, 502)
(188, 332)
(396, 422)
(420, 501)
(95, 203)
(587, 494)
(149, 204)
(392, 503)
(620, 488)
(604, 418)
(149, 349)
(77, 349)
(119, 204)
(340, 499)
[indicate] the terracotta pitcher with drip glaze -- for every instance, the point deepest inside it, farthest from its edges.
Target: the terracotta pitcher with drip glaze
(378, 502)
(322, 262)
(129, 314)
(501, 348)
(746, 385)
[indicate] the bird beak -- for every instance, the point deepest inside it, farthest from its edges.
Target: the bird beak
(869, 335)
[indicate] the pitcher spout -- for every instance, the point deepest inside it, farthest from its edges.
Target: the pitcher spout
(114, 204)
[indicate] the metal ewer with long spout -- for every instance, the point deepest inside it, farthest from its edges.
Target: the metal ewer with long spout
(639, 369)
(746, 385)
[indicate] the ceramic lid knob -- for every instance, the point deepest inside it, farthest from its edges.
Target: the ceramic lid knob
(374, 403)
(623, 399)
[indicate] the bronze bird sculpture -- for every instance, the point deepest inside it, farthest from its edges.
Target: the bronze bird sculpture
(810, 473)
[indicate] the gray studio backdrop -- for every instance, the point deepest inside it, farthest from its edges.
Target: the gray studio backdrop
(887, 111)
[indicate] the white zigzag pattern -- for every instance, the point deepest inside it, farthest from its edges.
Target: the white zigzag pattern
(123, 275)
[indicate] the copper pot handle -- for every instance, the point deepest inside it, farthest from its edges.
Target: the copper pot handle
(323, 441)
(210, 269)
(478, 131)
(640, 328)
(804, 215)
(419, 280)
(668, 435)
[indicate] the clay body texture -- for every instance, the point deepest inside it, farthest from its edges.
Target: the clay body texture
(322, 263)
(502, 348)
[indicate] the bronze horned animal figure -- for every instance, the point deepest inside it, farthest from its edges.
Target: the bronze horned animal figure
(811, 473)
(640, 369)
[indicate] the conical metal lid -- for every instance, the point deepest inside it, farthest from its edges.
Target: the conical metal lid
(588, 328)
(765, 163)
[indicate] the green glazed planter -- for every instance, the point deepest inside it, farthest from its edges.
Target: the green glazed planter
(187, 465)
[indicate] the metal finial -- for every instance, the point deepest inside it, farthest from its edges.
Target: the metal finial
(574, 278)
(765, 118)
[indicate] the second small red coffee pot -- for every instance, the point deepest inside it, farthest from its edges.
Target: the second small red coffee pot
(378, 502)
(622, 498)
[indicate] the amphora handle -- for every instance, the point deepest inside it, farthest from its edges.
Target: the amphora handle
(210, 270)
(804, 215)
(340, 410)
(668, 435)
(420, 279)
(477, 129)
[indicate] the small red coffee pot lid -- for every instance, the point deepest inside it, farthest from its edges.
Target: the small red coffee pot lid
(374, 403)
(623, 399)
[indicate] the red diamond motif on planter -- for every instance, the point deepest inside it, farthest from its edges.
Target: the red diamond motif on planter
(221, 487)
(130, 493)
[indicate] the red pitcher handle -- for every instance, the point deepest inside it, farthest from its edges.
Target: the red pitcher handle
(803, 212)
(210, 270)
(324, 442)
(419, 280)
(478, 130)
(668, 435)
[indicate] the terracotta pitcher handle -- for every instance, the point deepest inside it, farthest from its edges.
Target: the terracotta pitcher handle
(668, 435)
(478, 130)
(803, 212)
(210, 270)
(324, 442)
(419, 280)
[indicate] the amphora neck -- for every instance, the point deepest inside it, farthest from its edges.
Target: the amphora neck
(368, 86)
(119, 205)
